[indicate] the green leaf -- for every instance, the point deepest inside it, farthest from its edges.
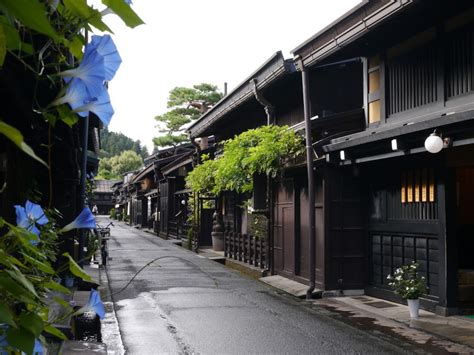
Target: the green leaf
(67, 116)
(76, 269)
(12, 287)
(32, 14)
(56, 287)
(3, 45)
(32, 322)
(9, 260)
(84, 11)
(6, 315)
(75, 46)
(56, 332)
(12, 38)
(40, 265)
(125, 12)
(16, 137)
(21, 339)
(62, 302)
(16, 275)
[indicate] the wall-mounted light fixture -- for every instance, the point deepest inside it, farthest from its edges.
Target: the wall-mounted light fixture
(435, 143)
(342, 155)
(394, 144)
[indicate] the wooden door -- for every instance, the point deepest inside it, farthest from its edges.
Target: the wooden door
(284, 228)
(346, 231)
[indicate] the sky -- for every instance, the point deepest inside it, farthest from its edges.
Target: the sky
(186, 42)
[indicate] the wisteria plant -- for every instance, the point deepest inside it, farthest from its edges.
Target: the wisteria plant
(407, 282)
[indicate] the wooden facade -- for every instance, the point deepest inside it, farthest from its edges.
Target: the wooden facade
(416, 80)
(381, 79)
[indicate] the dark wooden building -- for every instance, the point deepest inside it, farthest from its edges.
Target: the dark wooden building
(103, 195)
(378, 82)
(142, 187)
(389, 201)
(174, 196)
(270, 95)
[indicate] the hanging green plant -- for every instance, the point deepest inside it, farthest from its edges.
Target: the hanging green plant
(264, 150)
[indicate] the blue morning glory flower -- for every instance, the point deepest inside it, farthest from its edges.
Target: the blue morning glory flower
(100, 106)
(94, 305)
(105, 46)
(76, 94)
(3, 340)
(27, 217)
(85, 220)
(38, 349)
(91, 71)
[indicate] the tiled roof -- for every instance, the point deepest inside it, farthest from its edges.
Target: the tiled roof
(104, 185)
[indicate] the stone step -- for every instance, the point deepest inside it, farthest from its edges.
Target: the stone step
(71, 347)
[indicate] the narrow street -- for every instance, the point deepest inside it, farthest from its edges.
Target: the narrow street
(187, 304)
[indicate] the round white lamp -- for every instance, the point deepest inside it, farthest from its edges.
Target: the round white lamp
(434, 143)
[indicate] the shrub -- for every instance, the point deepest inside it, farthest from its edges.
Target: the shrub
(407, 282)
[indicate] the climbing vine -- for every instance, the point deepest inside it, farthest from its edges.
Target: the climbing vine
(48, 47)
(264, 150)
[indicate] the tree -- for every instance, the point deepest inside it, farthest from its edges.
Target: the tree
(115, 143)
(114, 167)
(186, 105)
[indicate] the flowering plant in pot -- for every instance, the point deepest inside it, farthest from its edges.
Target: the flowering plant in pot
(407, 283)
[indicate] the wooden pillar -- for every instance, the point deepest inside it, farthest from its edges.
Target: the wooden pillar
(448, 254)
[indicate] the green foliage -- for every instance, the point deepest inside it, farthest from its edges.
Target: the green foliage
(113, 168)
(32, 14)
(26, 277)
(113, 213)
(39, 35)
(124, 11)
(263, 150)
(113, 143)
(186, 105)
(189, 239)
(407, 282)
(16, 137)
(37, 38)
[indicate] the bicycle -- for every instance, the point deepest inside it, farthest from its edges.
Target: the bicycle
(104, 236)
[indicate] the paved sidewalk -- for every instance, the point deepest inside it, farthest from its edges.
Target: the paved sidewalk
(455, 334)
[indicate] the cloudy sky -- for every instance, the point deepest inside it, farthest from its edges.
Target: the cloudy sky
(186, 42)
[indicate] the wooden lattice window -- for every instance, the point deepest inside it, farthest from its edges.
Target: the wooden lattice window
(373, 86)
(418, 186)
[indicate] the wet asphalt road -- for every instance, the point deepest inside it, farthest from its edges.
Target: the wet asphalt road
(187, 304)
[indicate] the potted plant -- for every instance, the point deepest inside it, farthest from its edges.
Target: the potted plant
(407, 283)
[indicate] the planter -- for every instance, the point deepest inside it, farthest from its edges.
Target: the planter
(217, 243)
(217, 232)
(414, 307)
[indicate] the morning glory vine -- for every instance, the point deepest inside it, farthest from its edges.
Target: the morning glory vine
(49, 39)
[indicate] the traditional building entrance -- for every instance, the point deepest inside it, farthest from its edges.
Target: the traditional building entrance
(465, 236)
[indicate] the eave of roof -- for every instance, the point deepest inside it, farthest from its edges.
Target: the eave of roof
(330, 26)
(142, 174)
(176, 164)
(268, 72)
(335, 36)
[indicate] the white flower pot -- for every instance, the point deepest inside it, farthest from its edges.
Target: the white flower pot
(414, 307)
